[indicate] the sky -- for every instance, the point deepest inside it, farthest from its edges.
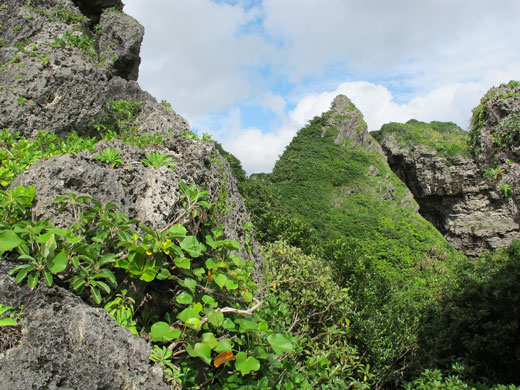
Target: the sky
(253, 72)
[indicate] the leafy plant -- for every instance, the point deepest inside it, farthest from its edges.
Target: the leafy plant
(6, 318)
(495, 172)
(156, 159)
(109, 156)
(506, 189)
(167, 107)
(40, 250)
(122, 310)
(162, 357)
(22, 101)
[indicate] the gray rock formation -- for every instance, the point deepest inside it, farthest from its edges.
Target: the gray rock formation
(64, 64)
(67, 344)
(59, 71)
(151, 195)
(351, 125)
(456, 194)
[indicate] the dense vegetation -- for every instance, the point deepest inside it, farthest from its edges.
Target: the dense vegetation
(359, 291)
(445, 138)
(407, 297)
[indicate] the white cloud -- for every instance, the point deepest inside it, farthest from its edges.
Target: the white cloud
(428, 60)
(375, 36)
(195, 54)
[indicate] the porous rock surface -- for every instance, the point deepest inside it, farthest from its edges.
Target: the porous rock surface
(67, 344)
(456, 195)
(62, 88)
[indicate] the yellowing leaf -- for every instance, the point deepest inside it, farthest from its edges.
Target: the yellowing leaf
(223, 357)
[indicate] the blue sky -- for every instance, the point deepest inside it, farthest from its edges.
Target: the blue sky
(253, 72)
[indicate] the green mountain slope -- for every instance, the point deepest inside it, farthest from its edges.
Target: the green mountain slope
(345, 190)
(333, 194)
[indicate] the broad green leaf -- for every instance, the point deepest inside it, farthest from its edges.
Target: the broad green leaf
(209, 301)
(164, 274)
(177, 231)
(231, 284)
(193, 323)
(245, 364)
(182, 262)
(220, 279)
(231, 244)
(228, 324)
(211, 263)
(191, 245)
(262, 326)
(260, 353)
(224, 345)
(9, 240)
(7, 321)
(184, 298)
(163, 333)
(237, 260)
(148, 275)
(279, 343)
(198, 272)
(216, 318)
(200, 350)
(48, 277)
(189, 284)
(188, 313)
(247, 325)
(247, 296)
(58, 263)
(209, 339)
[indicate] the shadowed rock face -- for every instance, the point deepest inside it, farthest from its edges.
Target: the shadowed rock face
(67, 344)
(459, 195)
(93, 9)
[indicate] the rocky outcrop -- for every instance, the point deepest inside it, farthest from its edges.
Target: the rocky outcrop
(67, 344)
(351, 125)
(59, 70)
(151, 195)
(466, 198)
(71, 66)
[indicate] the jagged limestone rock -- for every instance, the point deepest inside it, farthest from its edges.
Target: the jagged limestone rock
(454, 193)
(351, 125)
(61, 73)
(67, 344)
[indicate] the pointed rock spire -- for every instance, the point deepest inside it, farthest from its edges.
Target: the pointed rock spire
(351, 125)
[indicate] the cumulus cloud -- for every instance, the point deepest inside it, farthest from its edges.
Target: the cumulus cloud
(428, 60)
(196, 54)
(453, 102)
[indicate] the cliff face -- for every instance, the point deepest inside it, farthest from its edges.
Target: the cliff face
(468, 189)
(71, 66)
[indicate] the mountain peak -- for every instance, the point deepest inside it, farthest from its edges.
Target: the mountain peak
(349, 121)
